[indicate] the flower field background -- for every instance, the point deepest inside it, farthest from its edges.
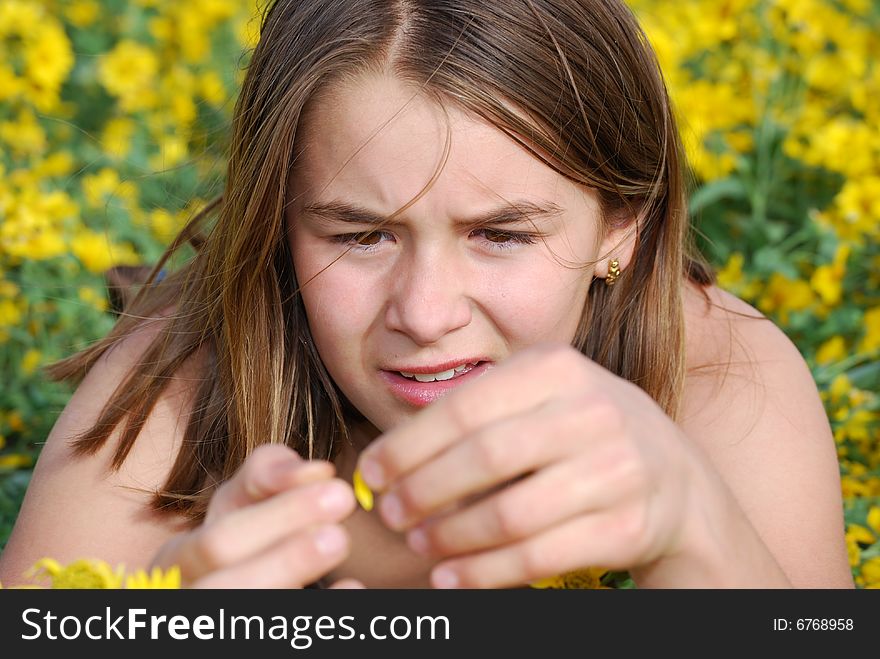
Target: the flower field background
(113, 128)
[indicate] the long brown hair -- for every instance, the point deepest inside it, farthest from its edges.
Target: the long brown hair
(573, 81)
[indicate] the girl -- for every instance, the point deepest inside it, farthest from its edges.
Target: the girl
(452, 251)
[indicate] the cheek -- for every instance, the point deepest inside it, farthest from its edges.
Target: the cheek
(334, 305)
(335, 310)
(542, 303)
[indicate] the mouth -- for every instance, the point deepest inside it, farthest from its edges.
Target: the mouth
(421, 385)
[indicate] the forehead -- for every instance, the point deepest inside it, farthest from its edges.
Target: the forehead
(381, 140)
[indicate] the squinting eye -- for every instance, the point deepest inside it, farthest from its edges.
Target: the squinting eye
(367, 239)
(364, 241)
(506, 239)
(496, 236)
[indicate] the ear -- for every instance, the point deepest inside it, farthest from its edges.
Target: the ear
(618, 243)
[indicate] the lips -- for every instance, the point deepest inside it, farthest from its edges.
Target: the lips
(420, 394)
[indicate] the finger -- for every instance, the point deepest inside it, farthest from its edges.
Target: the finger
(519, 384)
(589, 541)
(596, 480)
(347, 584)
(269, 469)
(291, 563)
(248, 531)
(491, 456)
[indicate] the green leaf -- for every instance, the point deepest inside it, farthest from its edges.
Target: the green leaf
(725, 188)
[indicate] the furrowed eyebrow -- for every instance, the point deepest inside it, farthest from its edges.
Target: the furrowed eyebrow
(336, 211)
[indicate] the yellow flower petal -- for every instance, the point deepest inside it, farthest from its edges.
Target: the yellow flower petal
(586, 579)
(362, 493)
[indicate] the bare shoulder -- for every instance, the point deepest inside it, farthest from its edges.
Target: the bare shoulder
(76, 506)
(750, 402)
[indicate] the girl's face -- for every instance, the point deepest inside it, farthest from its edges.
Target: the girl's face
(482, 265)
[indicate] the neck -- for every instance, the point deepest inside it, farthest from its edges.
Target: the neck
(379, 557)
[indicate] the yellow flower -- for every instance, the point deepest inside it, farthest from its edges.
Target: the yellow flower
(16, 423)
(24, 135)
(586, 579)
(854, 552)
(172, 151)
(82, 573)
(783, 295)
(860, 534)
(827, 280)
(10, 314)
(48, 60)
(83, 13)
(211, 88)
(871, 341)
(96, 574)
(155, 579)
(105, 185)
(129, 72)
(871, 571)
(834, 349)
(93, 298)
(362, 493)
(117, 135)
(840, 388)
(874, 518)
(98, 253)
(30, 361)
(15, 461)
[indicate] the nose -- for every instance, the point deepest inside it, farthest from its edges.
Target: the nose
(428, 297)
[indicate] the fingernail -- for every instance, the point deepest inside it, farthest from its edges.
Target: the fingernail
(443, 577)
(418, 541)
(333, 498)
(330, 540)
(392, 510)
(372, 473)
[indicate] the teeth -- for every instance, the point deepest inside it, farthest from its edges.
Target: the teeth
(444, 375)
(429, 377)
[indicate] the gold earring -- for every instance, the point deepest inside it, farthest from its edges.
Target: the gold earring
(613, 272)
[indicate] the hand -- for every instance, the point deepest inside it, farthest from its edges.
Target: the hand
(272, 525)
(546, 464)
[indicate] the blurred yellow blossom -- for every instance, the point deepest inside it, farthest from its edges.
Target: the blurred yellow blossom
(16, 461)
(827, 280)
(93, 298)
(129, 72)
(832, 350)
(82, 13)
(30, 361)
(860, 534)
(24, 135)
(10, 313)
(873, 518)
(99, 188)
(98, 253)
(117, 135)
(211, 88)
(871, 571)
(871, 340)
(783, 295)
(732, 278)
(34, 42)
(172, 151)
